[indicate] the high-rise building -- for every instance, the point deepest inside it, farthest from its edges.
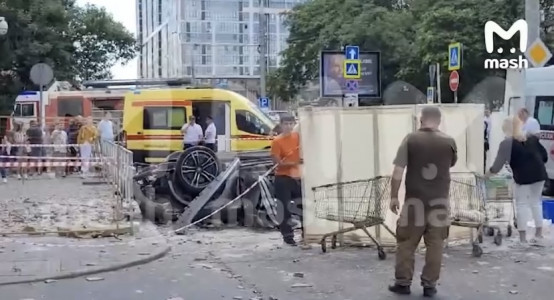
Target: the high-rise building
(208, 38)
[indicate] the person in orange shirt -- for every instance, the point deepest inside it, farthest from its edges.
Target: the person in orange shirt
(285, 150)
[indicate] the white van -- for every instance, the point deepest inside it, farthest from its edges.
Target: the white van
(534, 89)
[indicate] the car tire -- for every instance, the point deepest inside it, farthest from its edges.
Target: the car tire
(195, 169)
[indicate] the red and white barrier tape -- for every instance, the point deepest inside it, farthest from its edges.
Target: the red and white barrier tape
(47, 157)
(41, 164)
(44, 145)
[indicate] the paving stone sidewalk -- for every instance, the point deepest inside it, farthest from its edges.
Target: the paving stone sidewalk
(44, 204)
(31, 259)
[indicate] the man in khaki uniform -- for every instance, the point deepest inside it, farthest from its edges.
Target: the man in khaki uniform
(427, 155)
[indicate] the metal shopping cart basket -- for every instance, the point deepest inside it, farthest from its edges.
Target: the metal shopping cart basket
(499, 206)
(467, 205)
(362, 203)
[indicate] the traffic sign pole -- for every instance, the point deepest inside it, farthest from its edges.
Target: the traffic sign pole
(454, 83)
(439, 83)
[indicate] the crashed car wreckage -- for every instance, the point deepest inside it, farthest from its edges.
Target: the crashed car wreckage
(196, 187)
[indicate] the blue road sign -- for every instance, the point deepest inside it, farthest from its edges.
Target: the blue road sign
(352, 69)
(263, 103)
(352, 52)
(454, 56)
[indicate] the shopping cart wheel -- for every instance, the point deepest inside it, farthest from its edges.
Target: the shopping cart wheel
(476, 251)
(490, 231)
(323, 245)
(381, 253)
(334, 242)
(498, 239)
(509, 231)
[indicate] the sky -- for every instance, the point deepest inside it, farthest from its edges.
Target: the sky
(123, 11)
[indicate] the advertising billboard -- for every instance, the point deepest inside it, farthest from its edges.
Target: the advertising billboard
(333, 83)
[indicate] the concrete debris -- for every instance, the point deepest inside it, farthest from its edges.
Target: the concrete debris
(237, 298)
(475, 272)
(514, 292)
(94, 278)
(298, 275)
(301, 285)
(45, 207)
(273, 298)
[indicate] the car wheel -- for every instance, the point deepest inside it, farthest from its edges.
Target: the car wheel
(195, 169)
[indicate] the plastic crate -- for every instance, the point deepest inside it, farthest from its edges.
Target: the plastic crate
(548, 209)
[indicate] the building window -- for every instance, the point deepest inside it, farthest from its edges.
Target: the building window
(163, 118)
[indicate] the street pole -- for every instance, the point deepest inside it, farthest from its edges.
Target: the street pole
(42, 108)
(192, 65)
(262, 34)
(439, 83)
(533, 18)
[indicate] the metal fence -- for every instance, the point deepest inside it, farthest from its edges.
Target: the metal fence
(118, 169)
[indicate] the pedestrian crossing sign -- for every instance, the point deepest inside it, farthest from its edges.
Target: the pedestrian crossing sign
(352, 69)
(454, 56)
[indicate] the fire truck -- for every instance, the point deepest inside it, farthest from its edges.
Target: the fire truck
(61, 104)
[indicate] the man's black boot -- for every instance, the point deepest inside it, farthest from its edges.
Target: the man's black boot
(400, 289)
(429, 292)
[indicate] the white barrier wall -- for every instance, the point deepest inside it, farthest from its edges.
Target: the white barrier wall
(346, 144)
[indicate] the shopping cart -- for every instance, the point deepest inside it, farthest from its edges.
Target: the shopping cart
(467, 205)
(362, 203)
(499, 206)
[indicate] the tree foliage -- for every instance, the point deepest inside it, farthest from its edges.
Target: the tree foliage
(410, 36)
(77, 42)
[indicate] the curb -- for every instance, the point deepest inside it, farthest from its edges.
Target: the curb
(111, 268)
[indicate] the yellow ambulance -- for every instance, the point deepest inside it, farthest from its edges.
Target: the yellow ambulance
(152, 120)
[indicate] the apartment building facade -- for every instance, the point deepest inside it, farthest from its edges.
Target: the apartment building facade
(208, 39)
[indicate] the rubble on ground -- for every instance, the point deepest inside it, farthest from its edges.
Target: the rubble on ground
(45, 204)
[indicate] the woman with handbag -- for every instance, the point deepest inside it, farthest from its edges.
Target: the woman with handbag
(527, 158)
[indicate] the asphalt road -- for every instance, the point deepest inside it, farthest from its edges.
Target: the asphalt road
(240, 264)
(168, 278)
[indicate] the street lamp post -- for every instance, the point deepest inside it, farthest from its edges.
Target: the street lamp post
(3, 26)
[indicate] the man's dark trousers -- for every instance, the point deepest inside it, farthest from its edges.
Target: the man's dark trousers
(288, 192)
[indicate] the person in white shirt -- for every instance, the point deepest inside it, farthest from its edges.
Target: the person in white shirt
(192, 133)
(210, 134)
(105, 128)
(530, 125)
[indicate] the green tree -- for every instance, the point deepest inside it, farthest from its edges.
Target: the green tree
(100, 42)
(409, 36)
(77, 42)
(380, 25)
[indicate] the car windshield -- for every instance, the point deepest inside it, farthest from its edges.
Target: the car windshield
(262, 114)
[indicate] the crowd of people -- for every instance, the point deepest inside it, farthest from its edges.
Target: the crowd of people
(55, 143)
